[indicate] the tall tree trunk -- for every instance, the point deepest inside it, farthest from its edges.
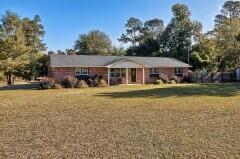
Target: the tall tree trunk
(9, 78)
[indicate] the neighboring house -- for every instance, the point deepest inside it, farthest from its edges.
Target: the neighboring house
(124, 69)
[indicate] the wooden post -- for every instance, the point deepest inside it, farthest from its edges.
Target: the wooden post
(108, 76)
(127, 76)
(143, 75)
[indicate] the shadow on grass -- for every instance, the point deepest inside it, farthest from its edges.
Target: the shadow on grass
(32, 85)
(220, 90)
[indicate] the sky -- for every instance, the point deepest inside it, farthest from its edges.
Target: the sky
(65, 20)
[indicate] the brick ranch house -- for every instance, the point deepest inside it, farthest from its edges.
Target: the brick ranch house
(124, 69)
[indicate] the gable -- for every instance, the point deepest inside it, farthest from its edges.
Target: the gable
(126, 64)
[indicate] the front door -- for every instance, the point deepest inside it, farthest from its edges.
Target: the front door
(133, 75)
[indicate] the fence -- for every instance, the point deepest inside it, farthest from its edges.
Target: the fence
(211, 77)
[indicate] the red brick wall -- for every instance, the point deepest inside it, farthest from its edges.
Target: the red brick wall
(59, 73)
(185, 72)
(169, 71)
(99, 71)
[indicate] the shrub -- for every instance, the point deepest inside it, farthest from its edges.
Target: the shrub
(176, 79)
(81, 84)
(172, 82)
(186, 79)
(164, 78)
(56, 86)
(46, 83)
(114, 81)
(91, 82)
(159, 81)
(69, 82)
(102, 83)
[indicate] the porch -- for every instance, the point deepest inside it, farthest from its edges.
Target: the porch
(126, 70)
(126, 76)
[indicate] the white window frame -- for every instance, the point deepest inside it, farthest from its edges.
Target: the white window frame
(117, 74)
(178, 71)
(154, 71)
(81, 71)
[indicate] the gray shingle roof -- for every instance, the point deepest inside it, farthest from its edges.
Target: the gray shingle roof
(104, 61)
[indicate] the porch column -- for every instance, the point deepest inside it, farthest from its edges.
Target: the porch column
(126, 75)
(108, 76)
(143, 75)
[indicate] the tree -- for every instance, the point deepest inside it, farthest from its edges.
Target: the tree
(227, 28)
(93, 43)
(34, 32)
(60, 52)
(205, 53)
(199, 62)
(150, 47)
(20, 45)
(118, 51)
(176, 39)
(13, 49)
(133, 32)
(39, 66)
(152, 28)
(70, 52)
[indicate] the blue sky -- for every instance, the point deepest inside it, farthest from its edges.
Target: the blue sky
(64, 20)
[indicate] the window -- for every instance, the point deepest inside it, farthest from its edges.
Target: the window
(154, 72)
(112, 72)
(81, 71)
(179, 72)
(123, 72)
(118, 72)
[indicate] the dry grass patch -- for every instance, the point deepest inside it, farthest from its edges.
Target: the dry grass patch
(166, 121)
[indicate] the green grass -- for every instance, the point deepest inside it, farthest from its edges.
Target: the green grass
(167, 121)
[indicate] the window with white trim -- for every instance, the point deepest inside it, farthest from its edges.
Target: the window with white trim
(81, 71)
(153, 72)
(179, 72)
(118, 72)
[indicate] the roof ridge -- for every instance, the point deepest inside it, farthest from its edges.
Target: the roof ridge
(118, 56)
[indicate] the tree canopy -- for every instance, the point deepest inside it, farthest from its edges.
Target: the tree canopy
(133, 31)
(20, 45)
(93, 43)
(176, 39)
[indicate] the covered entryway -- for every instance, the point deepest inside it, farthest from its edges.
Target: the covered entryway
(135, 73)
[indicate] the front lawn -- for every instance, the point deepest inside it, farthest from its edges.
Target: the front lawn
(168, 121)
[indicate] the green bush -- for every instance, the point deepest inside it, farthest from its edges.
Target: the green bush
(81, 84)
(102, 83)
(69, 82)
(47, 83)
